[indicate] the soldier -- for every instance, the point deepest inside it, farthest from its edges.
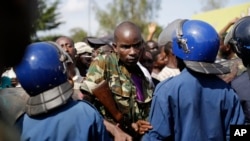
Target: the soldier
(130, 90)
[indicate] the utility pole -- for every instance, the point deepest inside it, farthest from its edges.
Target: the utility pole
(89, 18)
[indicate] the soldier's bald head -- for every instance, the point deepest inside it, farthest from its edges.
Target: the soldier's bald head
(126, 29)
(128, 43)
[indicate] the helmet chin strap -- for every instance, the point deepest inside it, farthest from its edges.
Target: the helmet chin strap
(49, 100)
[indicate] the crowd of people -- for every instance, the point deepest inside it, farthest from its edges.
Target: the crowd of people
(190, 84)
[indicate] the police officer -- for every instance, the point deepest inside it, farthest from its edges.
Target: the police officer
(43, 75)
(239, 39)
(195, 105)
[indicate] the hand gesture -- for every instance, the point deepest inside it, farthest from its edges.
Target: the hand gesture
(152, 28)
(243, 14)
(141, 126)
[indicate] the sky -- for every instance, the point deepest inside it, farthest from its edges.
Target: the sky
(78, 13)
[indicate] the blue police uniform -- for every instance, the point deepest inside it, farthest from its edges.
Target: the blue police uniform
(75, 121)
(193, 107)
(242, 87)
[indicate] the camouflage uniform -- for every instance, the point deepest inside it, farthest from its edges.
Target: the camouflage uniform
(108, 67)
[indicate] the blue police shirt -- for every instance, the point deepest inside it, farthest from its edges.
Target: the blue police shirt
(241, 85)
(193, 107)
(75, 121)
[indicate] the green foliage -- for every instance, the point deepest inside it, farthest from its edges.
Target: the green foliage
(48, 16)
(141, 12)
(49, 37)
(212, 4)
(78, 34)
(47, 19)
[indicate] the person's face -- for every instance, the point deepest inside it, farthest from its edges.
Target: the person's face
(67, 46)
(147, 61)
(160, 61)
(129, 47)
(163, 54)
(85, 58)
(152, 46)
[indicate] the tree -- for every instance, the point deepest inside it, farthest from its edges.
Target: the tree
(50, 37)
(78, 34)
(140, 12)
(48, 16)
(212, 4)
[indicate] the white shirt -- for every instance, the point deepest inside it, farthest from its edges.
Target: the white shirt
(167, 72)
(146, 73)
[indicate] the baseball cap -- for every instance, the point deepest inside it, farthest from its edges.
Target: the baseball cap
(82, 47)
(97, 42)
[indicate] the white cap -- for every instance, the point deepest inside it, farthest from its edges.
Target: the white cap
(82, 47)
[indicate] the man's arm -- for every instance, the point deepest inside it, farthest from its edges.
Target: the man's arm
(104, 95)
(151, 31)
(97, 69)
(227, 26)
(117, 133)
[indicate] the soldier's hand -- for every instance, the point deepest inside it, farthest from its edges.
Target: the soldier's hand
(120, 135)
(141, 126)
(116, 131)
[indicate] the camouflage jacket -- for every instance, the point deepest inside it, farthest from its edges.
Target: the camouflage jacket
(108, 67)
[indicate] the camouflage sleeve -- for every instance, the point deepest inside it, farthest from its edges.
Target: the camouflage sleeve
(96, 69)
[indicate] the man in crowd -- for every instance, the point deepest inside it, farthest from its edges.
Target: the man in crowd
(130, 90)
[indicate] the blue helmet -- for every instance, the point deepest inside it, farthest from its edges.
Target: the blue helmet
(197, 43)
(239, 38)
(42, 68)
(196, 40)
(166, 34)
